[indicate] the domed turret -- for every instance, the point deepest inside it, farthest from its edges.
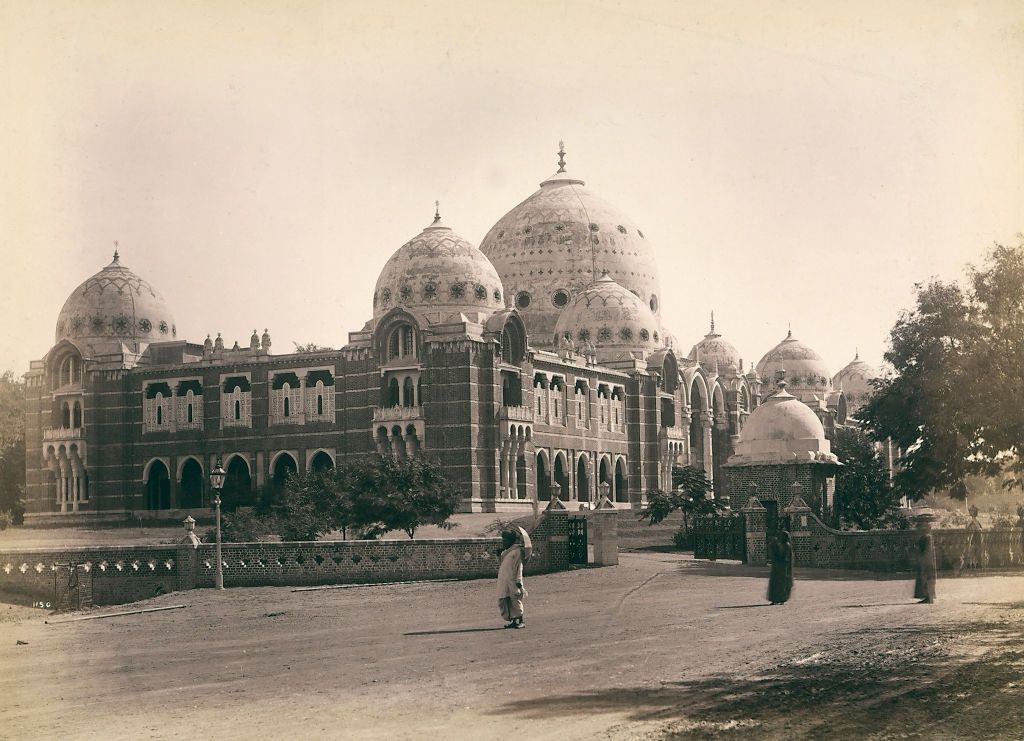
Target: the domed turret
(713, 350)
(438, 271)
(782, 430)
(805, 372)
(615, 320)
(113, 306)
(855, 382)
(557, 242)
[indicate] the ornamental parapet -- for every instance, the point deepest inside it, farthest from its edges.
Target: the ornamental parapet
(63, 433)
(516, 414)
(394, 414)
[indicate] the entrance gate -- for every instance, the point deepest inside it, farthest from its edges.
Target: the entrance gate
(578, 540)
(720, 536)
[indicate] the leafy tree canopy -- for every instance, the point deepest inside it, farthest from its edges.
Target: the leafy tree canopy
(690, 495)
(12, 445)
(310, 347)
(864, 497)
(954, 401)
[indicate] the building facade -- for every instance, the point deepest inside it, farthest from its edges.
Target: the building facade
(535, 366)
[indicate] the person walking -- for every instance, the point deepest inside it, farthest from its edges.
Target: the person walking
(517, 550)
(780, 576)
(924, 584)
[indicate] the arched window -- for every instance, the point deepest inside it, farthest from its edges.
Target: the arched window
(189, 410)
(65, 415)
(407, 341)
(395, 345)
(319, 399)
(393, 394)
(159, 413)
(287, 407)
(408, 396)
(238, 409)
(402, 342)
(76, 420)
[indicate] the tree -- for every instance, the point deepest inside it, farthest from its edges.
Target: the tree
(953, 403)
(864, 497)
(689, 495)
(311, 504)
(311, 347)
(12, 446)
(389, 493)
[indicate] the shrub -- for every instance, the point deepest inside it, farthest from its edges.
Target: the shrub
(683, 540)
(6, 520)
(241, 526)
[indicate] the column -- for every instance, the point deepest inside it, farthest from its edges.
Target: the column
(503, 470)
(709, 464)
(74, 490)
(513, 474)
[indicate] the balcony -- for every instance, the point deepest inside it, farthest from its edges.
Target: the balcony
(674, 433)
(516, 414)
(397, 414)
(53, 434)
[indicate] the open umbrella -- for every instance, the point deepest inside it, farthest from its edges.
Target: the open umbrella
(524, 537)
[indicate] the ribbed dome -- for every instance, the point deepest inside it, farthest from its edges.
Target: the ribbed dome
(438, 271)
(854, 382)
(557, 242)
(713, 350)
(610, 317)
(115, 305)
(782, 430)
(806, 372)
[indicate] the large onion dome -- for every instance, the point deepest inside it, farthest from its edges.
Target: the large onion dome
(805, 372)
(854, 381)
(782, 430)
(714, 351)
(438, 272)
(616, 321)
(115, 305)
(560, 240)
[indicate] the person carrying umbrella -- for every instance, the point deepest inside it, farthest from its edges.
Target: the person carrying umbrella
(517, 550)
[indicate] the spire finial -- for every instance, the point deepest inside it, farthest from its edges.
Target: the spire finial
(116, 256)
(561, 156)
(856, 353)
(437, 211)
(712, 321)
(789, 333)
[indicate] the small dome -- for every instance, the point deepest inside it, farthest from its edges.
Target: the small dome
(805, 371)
(614, 319)
(782, 430)
(556, 243)
(713, 350)
(855, 382)
(115, 305)
(438, 271)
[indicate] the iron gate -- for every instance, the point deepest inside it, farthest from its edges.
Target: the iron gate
(720, 536)
(578, 540)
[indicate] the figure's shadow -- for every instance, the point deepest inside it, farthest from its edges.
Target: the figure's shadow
(740, 607)
(445, 632)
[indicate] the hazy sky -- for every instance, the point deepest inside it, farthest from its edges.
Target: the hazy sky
(792, 162)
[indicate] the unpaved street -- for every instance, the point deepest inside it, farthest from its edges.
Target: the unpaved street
(658, 647)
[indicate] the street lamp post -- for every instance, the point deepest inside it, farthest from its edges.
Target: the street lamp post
(217, 477)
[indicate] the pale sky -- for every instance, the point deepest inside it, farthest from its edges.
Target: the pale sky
(791, 162)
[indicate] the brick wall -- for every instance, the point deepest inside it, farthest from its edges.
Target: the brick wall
(816, 545)
(121, 574)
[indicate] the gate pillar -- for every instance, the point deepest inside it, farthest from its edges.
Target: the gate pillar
(756, 519)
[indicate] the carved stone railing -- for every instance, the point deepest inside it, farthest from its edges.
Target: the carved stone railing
(394, 414)
(63, 433)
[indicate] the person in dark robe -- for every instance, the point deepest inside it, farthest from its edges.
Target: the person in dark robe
(924, 584)
(780, 577)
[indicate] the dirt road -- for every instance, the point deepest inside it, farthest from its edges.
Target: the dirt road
(659, 647)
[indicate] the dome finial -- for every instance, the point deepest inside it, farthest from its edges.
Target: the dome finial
(117, 257)
(789, 333)
(712, 321)
(437, 211)
(856, 353)
(561, 156)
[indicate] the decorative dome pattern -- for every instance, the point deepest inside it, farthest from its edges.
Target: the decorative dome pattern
(557, 242)
(855, 382)
(805, 371)
(713, 350)
(115, 304)
(610, 317)
(438, 271)
(782, 430)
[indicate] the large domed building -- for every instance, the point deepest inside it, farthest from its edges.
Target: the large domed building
(533, 367)
(560, 240)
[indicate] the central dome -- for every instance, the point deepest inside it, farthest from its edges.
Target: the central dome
(615, 320)
(805, 371)
(559, 241)
(115, 305)
(437, 271)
